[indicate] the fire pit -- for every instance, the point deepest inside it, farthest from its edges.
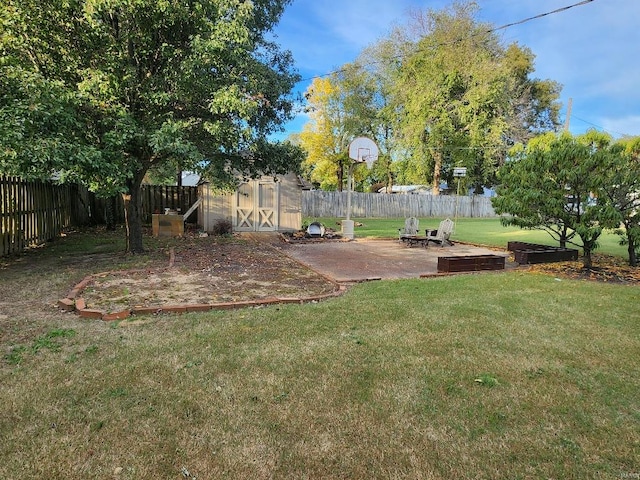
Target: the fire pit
(315, 230)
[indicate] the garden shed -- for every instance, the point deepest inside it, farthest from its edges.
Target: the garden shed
(266, 204)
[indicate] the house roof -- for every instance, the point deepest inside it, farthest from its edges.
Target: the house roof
(190, 179)
(405, 189)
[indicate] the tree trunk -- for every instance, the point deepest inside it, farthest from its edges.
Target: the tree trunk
(586, 258)
(437, 171)
(564, 237)
(110, 213)
(133, 214)
(631, 248)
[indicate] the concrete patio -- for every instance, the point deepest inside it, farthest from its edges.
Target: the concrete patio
(364, 259)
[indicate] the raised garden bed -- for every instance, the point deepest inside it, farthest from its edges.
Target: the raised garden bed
(529, 253)
(470, 263)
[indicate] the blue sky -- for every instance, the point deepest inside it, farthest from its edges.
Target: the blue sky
(592, 50)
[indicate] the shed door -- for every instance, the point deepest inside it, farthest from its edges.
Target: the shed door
(244, 211)
(256, 207)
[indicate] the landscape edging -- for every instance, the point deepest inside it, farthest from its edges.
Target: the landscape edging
(73, 302)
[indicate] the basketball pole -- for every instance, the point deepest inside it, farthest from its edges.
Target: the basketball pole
(361, 149)
(455, 220)
(458, 172)
(349, 187)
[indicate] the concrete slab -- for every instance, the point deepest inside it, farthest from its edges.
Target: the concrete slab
(363, 259)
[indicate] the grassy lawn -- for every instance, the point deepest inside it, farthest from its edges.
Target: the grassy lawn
(509, 375)
(483, 231)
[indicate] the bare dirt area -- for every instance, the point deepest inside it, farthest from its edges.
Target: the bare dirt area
(173, 271)
(207, 270)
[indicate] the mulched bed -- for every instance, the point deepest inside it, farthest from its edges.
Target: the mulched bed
(605, 268)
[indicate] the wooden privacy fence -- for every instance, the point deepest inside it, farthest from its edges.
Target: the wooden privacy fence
(155, 198)
(34, 212)
(317, 203)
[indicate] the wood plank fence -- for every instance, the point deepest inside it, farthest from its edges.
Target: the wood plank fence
(155, 198)
(34, 212)
(317, 203)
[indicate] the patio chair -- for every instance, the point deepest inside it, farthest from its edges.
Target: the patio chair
(410, 228)
(442, 234)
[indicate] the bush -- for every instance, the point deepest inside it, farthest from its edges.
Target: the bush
(222, 227)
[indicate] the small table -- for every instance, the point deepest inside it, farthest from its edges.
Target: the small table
(412, 240)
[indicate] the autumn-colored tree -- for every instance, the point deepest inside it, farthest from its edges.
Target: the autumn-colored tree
(340, 108)
(324, 137)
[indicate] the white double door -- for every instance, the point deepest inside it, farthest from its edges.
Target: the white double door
(256, 206)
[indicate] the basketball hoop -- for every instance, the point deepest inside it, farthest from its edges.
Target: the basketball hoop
(363, 150)
(369, 159)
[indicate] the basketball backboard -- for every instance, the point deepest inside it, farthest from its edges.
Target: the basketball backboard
(363, 150)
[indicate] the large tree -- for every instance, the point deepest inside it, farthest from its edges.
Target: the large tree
(533, 102)
(378, 64)
(464, 98)
(101, 91)
(341, 107)
(324, 137)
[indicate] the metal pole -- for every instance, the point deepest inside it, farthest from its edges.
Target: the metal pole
(455, 220)
(349, 180)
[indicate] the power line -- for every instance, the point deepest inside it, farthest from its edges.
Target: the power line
(491, 30)
(599, 127)
(561, 9)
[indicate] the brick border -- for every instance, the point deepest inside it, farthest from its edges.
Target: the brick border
(74, 302)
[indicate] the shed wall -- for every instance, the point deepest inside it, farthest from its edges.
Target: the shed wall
(290, 201)
(216, 206)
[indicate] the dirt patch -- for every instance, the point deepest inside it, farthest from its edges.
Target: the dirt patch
(605, 268)
(205, 271)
